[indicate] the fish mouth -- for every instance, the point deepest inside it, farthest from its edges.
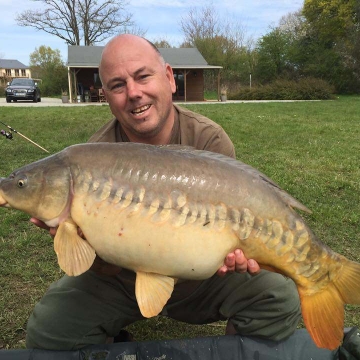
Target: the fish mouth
(3, 202)
(140, 110)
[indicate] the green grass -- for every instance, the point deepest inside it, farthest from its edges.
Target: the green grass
(311, 149)
(210, 95)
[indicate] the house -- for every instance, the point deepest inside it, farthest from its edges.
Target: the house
(187, 63)
(10, 69)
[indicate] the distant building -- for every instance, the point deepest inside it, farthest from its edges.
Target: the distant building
(10, 69)
(187, 63)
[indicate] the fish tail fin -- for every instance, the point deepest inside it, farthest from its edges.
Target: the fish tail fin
(323, 311)
(347, 282)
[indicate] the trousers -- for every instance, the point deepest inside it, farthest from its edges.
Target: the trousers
(85, 310)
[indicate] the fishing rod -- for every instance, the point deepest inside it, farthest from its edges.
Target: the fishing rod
(9, 136)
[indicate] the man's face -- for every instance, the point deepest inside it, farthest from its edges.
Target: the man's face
(138, 87)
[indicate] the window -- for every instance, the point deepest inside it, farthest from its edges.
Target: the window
(8, 72)
(23, 72)
(16, 72)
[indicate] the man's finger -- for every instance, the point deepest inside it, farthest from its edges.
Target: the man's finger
(222, 271)
(253, 267)
(39, 223)
(241, 264)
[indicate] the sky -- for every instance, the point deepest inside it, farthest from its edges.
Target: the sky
(159, 18)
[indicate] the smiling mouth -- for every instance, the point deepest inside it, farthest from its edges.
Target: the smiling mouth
(140, 110)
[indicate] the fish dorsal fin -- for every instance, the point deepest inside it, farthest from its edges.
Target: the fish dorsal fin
(75, 255)
(152, 292)
(177, 147)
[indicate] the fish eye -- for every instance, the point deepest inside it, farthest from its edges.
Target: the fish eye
(22, 182)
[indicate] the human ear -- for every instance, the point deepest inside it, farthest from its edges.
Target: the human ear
(170, 76)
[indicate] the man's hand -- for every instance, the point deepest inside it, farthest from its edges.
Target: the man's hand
(237, 262)
(42, 225)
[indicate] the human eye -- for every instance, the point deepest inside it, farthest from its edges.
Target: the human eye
(117, 87)
(143, 77)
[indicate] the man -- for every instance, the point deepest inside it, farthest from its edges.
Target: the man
(89, 309)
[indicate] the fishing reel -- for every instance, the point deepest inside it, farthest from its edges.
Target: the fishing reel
(7, 134)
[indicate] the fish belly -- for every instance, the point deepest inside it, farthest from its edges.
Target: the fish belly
(153, 240)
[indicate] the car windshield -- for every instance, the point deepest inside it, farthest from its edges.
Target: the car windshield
(23, 82)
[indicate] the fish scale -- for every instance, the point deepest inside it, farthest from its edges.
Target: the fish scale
(153, 210)
(243, 222)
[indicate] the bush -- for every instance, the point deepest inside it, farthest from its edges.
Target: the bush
(303, 89)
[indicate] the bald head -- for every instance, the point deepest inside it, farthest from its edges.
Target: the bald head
(138, 86)
(124, 43)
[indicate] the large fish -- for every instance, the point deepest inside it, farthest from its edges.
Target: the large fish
(154, 209)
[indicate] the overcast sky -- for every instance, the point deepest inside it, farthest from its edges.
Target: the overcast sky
(159, 18)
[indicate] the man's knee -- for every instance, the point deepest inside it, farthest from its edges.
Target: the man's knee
(80, 311)
(60, 321)
(33, 337)
(41, 331)
(55, 332)
(282, 303)
(268, 306)
(287, 294)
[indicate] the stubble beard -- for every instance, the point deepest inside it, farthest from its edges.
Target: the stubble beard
(154, 131)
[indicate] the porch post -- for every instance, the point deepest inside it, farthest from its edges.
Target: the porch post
(185, 85)
(69, 84)
(218, 85)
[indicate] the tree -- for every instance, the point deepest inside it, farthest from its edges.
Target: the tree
(43, 56)
(204, 23)
(162, 43)
(76, 21)
(335, 25)
(331, 18)
(219, 40)
(46, 64)
(279, 54)
(200, 24)
(294, 24)
(272, 56)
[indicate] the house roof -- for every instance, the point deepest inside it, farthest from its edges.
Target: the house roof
(12, 64)
(178, 58)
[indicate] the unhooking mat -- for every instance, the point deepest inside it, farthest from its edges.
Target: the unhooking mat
(299, 346)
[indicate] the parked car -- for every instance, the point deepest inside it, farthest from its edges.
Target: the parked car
(22, 89)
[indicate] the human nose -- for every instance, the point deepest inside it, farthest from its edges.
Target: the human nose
(133, 89)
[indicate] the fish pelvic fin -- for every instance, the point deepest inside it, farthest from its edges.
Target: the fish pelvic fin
(152, 292)
(75, 255)
(323, 311)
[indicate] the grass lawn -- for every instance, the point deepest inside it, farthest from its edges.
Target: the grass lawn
(311, 149)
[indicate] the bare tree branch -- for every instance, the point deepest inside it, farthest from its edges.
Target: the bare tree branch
(200, 24)
(76, 21)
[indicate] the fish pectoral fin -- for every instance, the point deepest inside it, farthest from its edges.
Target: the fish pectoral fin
(75, 255)
(152, 292)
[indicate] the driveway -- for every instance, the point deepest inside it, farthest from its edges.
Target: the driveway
(57, 102)
(45, 101)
